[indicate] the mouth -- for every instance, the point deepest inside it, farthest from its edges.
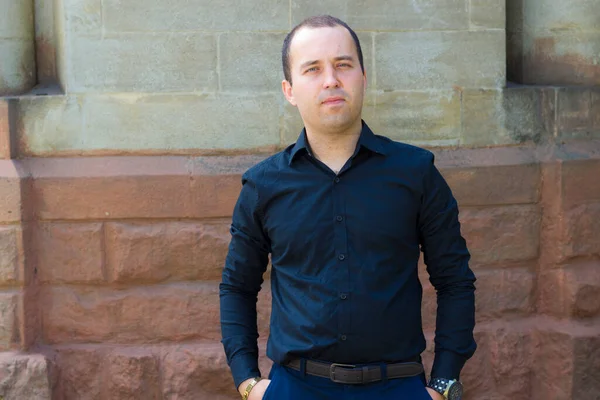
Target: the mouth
(334, 101)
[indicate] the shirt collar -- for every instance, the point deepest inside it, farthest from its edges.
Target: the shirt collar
(367, 140)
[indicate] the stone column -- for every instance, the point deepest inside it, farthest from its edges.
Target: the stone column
(554, 42)
(17, 47)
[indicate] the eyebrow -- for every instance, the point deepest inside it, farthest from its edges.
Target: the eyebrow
(339, 58)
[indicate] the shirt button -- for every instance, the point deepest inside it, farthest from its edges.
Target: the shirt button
(339, 218)
(341, 257)
(343, 338)
(343, 296)
(337, 180)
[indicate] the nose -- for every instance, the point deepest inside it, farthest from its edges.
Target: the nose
(331, 79)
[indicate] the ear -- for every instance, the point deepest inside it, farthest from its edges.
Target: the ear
(288, 92)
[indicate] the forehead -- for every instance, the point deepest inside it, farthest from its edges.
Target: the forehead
(315, 44)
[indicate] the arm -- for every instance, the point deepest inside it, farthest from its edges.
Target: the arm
(447, 260)
(245, 264)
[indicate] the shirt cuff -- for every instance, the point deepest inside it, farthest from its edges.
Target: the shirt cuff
(447, 364)
(244, 366)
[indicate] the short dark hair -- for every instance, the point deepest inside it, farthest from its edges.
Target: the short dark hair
(321, 21)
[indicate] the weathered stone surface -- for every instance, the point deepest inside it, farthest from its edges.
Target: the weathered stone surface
(383, 15)
(487, 14)
(582, 231)
(82, 17)
(574, 15)
(9, 319)
(133, 374)
(70, 253)
(175, 312)
(11, 255)
(250, 62)
(501, 234)
(494, 185)
(24, 376)
(79, 373)
(143, 63)
(576, 113)
(504, 293)
(124, 15)
(567, 363)
(572, 291)
(17, 19)
(416, 117)
(427, 60)
(580, 183)
(17, 66)
(166, 251)
(170, 123)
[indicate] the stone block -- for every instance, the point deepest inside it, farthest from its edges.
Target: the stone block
(79, 372)
(582, 231)
(165, 313)
(170, 123)
(575, 114)
(567, 363)
(571, 291)
(10, 308)
(382, 15)
(177, 62)
(183, 15)
(487, 14)
(11, 255)
(17, 20)
(250, 62)
(166, 251)
(501, 234)
(561, 58)
(580, 15)
(25, 376)
(580, 183)
(133, 374)
(416, 117)
(82, 17)
(432, 60)
(17, 66)
(70, 253)
(494, 185)
(504, 293)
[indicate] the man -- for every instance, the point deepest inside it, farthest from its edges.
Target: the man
(343, 214)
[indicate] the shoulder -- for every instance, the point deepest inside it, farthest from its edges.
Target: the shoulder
(407, 155)
(267, 167)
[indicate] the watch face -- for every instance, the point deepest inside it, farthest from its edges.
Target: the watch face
(455, 392)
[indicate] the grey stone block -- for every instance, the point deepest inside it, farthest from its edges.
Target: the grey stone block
(131, 122)
(488, 14)
(426, 60)
(17, 66)
(579, 15)
(16, 19)
(250, 61)
(201, 15)
(143, 63)
(385, 15)
(83, 17)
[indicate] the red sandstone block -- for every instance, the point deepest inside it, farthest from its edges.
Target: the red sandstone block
(69, 252)
(166, 251)
(494, 185)
(133, 374)
(79, 373)
(567, 362)
(10, 192)
(10, 312)
(501, 234)
(11, 255)
(580, 181)
(505, 292)
(5, 139)
(571, 291)
(582, 231)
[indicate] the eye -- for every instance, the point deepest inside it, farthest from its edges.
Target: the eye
(311, 69)
(344, 65)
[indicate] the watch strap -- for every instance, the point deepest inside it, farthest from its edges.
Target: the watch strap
(250, 387)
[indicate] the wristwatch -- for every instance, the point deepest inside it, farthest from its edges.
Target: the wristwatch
(451, 389)
(250, 387)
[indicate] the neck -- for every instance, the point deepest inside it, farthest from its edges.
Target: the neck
(334, 148)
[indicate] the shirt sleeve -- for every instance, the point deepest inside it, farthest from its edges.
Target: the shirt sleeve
(242, 278)
(447, 259)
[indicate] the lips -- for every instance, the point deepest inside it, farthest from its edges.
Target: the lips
(334, 100)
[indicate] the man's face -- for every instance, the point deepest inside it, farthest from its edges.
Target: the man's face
(328, 83)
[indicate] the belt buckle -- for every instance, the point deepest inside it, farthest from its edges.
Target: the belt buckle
(333, 367)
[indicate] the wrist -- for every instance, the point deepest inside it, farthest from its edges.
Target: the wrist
(246, 387)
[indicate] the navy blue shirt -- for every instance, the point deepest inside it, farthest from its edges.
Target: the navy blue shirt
(344, 252)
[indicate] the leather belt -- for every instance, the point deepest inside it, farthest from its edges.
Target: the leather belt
(355, 375)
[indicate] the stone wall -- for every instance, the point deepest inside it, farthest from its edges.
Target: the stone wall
(119, 171)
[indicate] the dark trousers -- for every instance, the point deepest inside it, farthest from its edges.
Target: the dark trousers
(289, 384)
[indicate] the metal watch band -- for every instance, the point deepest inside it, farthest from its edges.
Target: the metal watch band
(250, 387)
(449, 388)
